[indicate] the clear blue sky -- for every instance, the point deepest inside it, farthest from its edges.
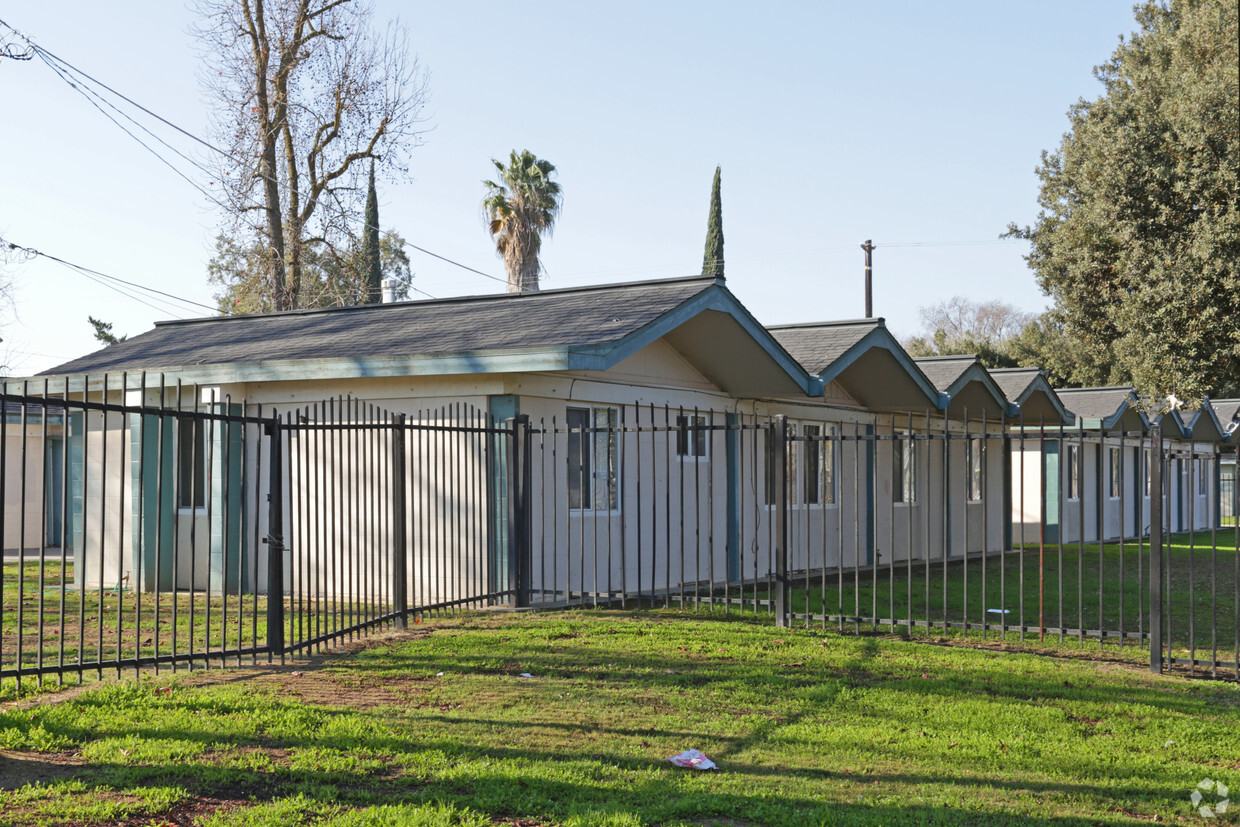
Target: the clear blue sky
(834, 122)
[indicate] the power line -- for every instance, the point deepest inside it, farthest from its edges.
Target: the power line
(28, 253)
(48, 57)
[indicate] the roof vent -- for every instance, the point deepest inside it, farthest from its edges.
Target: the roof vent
(389, 290)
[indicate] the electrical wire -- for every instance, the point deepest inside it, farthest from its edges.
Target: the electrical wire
(29, 253)
(49, 58)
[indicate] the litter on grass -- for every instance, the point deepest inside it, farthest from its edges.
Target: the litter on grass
(525, 675)
(691, 759)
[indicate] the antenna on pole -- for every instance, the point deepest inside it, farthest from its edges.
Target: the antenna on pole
(869, 278)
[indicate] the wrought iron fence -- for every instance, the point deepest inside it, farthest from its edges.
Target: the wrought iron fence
(148, 525)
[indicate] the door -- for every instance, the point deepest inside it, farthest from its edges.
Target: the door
(1050, 487)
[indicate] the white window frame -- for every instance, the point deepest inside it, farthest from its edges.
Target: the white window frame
(1115, 482)
(975, 467)
(1074, 473)
(824, 444)
(796, 459)
(611, 436)
(689, 427)
(904, 456)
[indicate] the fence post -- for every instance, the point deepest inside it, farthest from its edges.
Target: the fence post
(400, 552)
(519, 475)
(1156, 549)
(275, 540)
(779, 466)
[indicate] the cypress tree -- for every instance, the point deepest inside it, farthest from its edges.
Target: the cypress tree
(712, 262)
(372, 268)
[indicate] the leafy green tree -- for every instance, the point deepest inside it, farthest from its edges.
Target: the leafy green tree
(712, 261)
(1045, 342)
(1138, 237)
(331, 277)
(519, 208)
(103, 332)
(370, 244)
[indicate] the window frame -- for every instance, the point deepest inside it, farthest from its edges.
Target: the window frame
(589, 438)
(1073, 492)
(824, 443)
(975, 467)
(1115, 483)
(192, 476)
(692, 428)
(904, 467)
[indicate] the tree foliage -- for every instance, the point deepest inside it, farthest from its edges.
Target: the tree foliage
(103, 332)
(1003, 336)
(306, 91)
(712, 260)
(330, 277)
(959, 326)
(519, 208)
(371, 253)
(1138, 236)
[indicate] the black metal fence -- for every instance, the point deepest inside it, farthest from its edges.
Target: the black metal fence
(158, 526)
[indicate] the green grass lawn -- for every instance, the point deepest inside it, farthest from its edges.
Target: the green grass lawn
(436, 727)
(105, 625)
(1099, 588)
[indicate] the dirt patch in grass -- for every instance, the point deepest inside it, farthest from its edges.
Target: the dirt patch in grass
(17, 769)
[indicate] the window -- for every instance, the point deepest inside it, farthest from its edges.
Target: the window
(903, 468)
(818, 465)
(1113, 455)
(1202, 476)
(810, 465)
(593, 461)
(1146, 488)
(1074, 472)
(975, 457)
(191, 464)
(692, 437)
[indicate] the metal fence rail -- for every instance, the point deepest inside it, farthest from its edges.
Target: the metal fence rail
(153, 525)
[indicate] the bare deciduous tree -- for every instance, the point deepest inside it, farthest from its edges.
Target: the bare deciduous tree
(305, 90)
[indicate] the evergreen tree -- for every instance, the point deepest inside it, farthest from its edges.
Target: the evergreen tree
(712, 262)
(103, 332)
(370, 245)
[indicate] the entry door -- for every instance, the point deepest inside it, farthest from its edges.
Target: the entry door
(1050, 503)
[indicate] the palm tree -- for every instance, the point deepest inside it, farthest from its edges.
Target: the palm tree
(520, 209)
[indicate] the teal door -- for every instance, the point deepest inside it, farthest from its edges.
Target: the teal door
(1050, 499)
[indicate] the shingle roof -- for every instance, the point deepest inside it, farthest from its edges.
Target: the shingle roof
(579, 316)
(1226, 410)
(1014, 381)
(819, 344)
(1094, 403)
(944, 370)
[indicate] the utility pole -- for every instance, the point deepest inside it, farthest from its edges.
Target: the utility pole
(869, 278)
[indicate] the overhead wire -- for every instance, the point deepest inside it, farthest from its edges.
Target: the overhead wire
(107, 280)
(50, 58)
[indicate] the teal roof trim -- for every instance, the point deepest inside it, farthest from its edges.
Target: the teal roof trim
(716, 297)
(880, 337)
(1041, 384)
(977, 372)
